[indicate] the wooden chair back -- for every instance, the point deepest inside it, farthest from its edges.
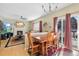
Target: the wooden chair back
(49, 38)
(30, 39)
(55, 40)
(34, 47)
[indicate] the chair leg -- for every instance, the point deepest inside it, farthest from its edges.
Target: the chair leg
(46, 50)
(30, 51)
(31, 54)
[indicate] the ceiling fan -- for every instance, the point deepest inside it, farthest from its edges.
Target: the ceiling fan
(21, 17)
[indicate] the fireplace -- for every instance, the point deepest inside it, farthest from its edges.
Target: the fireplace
(20, 33)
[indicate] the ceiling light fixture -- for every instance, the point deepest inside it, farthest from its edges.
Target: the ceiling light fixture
(21, 17)
(49, 7)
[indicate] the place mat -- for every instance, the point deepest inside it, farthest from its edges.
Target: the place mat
(37, 37)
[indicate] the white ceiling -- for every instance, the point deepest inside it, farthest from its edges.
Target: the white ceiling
(27, 10)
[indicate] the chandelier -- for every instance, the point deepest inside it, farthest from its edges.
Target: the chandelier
(49, 7)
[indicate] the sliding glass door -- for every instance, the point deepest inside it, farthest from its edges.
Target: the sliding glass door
(74, 30)
(60, 29)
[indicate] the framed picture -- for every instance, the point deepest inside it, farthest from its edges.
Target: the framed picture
(45, 24)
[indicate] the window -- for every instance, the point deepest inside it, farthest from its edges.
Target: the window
(36, 26)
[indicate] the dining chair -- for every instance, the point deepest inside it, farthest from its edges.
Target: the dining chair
(55, 40)
(33, 46)
(52, 43)
(49, 44)
(55, 43)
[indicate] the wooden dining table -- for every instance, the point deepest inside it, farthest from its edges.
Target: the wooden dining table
(42, 40)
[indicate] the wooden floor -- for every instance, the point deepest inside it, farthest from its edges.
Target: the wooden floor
(17, 50)
(3, 43)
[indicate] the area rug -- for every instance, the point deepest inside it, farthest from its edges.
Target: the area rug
(14, 42)
(54, 51)
(57, 52)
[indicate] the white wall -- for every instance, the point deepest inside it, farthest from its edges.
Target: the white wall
(19, 29)
(25, 28)
(73, 8)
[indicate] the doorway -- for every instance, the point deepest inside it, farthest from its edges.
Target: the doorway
(60, 27)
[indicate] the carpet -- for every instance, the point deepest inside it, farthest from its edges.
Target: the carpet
(14, 42)
(54, 51)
